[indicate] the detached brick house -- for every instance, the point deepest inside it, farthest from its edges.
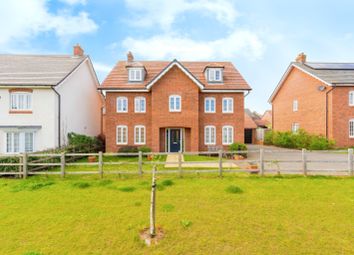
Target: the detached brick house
(173, 106)
(317, 97)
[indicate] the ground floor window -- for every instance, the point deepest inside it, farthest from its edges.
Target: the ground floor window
(209, 135)
(17, 142)
(139, 135)
(227, 135)
(295, 127)
(122, 134)
(351, 128)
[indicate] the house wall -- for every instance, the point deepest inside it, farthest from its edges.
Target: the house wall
(220, 119)
(158, 117)
(44, 114)
(81, 103)
(340, 115)
(311, 114)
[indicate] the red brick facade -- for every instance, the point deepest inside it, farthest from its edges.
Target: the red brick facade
(157, 118)
(326, 112)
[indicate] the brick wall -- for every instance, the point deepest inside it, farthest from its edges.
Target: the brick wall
(311, 114)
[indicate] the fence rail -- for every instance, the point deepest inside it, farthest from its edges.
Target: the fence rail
(26, 167)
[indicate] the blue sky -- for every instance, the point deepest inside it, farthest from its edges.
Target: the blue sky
(259, 37)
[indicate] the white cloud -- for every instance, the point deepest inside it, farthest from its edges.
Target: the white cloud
(164, 13)
(73, 2)
(240, 43)
(100, 67)
(20, 20)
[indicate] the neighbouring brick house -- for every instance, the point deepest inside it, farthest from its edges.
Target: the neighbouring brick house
(173, 106)
(317, 97)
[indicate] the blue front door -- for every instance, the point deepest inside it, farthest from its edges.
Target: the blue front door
(175, 140)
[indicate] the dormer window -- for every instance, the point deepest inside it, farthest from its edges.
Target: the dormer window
(214, 74)
(135, 74)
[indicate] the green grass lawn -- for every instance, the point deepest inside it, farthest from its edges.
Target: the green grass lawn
(237, 214)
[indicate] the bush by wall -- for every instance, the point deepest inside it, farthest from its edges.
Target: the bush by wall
(239, 147)
(299, 140)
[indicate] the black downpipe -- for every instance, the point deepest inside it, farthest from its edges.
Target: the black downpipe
(59, 116)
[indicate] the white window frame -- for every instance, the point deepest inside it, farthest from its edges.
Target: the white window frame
(351, 98)
(21, 147)
(295, 127)
(138, 104)
(15, 101)
(295, 105)
(351, 128)
(212, 75)
(228, 105)
(212, 101)
(228, 140)
(127, 103)
(211, 134)
(138, 139)
(135, 74)
(122, 127)
(174, 108)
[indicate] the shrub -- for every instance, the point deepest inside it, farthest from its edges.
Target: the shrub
(128, 149)
(144, 149)
(84, 143)
(298, 140)
(8, 160)
(239, 147)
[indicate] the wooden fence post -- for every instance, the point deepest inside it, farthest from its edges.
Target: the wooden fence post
(140, 163)
(180, 163)
(100, 163)
(350, 162)
(220, 163)
(261, 161)
(62, 165)
(304, 162)
(153, 203)
(24, 163)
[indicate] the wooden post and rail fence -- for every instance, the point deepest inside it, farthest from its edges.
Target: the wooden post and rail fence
(25, 166)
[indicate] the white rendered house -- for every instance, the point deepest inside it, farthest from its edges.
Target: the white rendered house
(44, 97)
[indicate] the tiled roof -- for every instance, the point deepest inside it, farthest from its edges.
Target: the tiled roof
(249, 122)
(41, 70)
(118, 77)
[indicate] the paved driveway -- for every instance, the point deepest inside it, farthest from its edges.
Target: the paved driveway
(331, 160)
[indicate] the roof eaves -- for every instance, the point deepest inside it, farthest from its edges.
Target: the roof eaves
(72, 71)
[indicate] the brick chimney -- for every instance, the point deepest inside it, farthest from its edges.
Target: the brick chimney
(301, 58)
(78, 51)
(130, 57)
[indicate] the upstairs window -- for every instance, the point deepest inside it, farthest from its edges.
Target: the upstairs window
(122, 104)
(135, 74)
(227, 105)
(295, 127)
(175, 103)
(215, 75)
(21, 101)
(140, 104)
(351, 98)
(227, 135)
(295, 106)
(209, 105)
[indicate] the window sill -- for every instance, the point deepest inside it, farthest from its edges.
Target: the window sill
(20, 112)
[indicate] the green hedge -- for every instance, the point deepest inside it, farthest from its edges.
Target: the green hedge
(239, 147)
(299, 140)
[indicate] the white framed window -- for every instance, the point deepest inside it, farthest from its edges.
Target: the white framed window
(209, 135)
(175, 103)
(209, 105)
(295, 127)
(351, 98)
(122, 104)
(215, 74)
(351, 128)
(227, 105)
(295, 106)
(227, 135)
(140, 104)
(139, 134)
(122, 134)
(135, 74)
(18, 142)
(20, 101)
